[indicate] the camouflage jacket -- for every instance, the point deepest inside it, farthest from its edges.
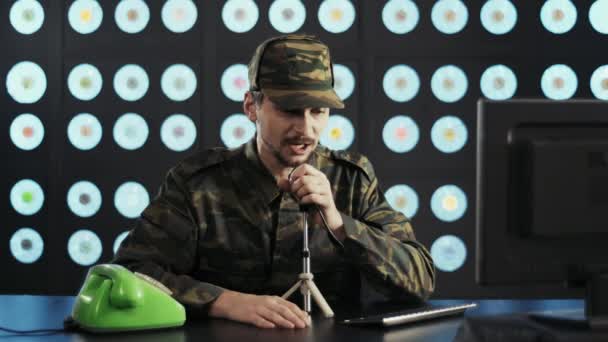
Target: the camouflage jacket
(220, 222)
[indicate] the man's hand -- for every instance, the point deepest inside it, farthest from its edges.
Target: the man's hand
(261, 311)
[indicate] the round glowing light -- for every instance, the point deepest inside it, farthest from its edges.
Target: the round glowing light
(27, 197)
(336, 16)
(449, 253)
(449, 83)
(287, 16)
(344, 81)
(235, 82)
(131, 82)
(558, 16)
(27, 131)
(178, 132)
(119, 239)
(84, 131)
(400, 134)
(240, 15)
(498, 82)
(179, 15)
(449, 134)
(400, 16)
(84, 199)
(498, 16)
(559, 82)
(26, 82)
(599, 82)
(132, 16)
(338, 134)
(130, 199)
(598, 16)
(178, 82)
(403, 199)
(84, 247)
(84, 82)
(26, 245)
(85, 16)
(130, 131)
(26, 16)
(401, 83)
(449, 203)
(236, 130)
(449, 16)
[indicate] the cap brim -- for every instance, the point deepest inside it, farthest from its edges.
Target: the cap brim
(296, 99)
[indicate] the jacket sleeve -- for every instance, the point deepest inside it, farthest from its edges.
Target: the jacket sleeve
(163, 245)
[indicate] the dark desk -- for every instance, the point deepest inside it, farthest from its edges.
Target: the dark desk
(38, 312)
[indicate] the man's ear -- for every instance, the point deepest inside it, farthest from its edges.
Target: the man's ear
(249, 107)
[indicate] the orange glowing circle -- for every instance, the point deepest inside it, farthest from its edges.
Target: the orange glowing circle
(449, 134)
(86, 15)
(558, 15)
(336, 14)
(605, 84)
(558, 83)
(401, 133)
(498, 16)
(86, 130)
(401, 15)
(449, 202)
(450, 16)
(28, 131)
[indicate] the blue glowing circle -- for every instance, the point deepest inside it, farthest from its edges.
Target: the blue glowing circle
(26, 131)
(449, 83)
(400, 134)
(178, 82)
(130, 131)
(400, 16)
(85, 82)
(236, 130)
(401, 83)
(598, 16)
(336, 16)
(558, 16)
(179, 15)
(26, 245)
(449, 134)
(85, 16)
(344, 81)
(26, 82)
(559, 82)
(131, 82)
(235, 82)
(84, 199)
(132, 16)
(84, 247)
(27, 197)
(449, 16)
(498, 16)
(287, 16)
(599, 82)
(403, 198)
(449, 253)
(449, 203)
(84, 131)
(498, 82)
(338, 134)
(240, 16)
(119, 239)
(130, 199)
(178, 132)
(26, 16)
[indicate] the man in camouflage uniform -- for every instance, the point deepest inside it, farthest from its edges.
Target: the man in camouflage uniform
(224, 232)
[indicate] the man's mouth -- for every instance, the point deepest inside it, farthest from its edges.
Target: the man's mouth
(299, 148)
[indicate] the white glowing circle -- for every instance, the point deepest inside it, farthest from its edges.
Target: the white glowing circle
(84, 82)
(130, 199)
(449, 253)
(119, 239)
(403, 198)
(400, 134)
(498, 82)
(336, 16)
(287, 16)
(131, 82)
(401, 83)
(84, 247)
(598, 16)
(130, 131)
(84, 199)
(344, 81)
(449, 16)
(84, 131)
(559, 82)
(449, 134)
(235, 82)
(400, 16)
(240, 15)
(236, 130)
(26, 82)
(179, 15)
(558, 16)
(599, 82)
(449, 203)
(338, 134)
(27, 197)
(178, 82)
(498, 16)
(26, 16)
(178, 132)
(132, 16)
(85, 16)
(26, 245)
(26, 131)
(449, 83)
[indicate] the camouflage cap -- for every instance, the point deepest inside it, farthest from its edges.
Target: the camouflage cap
(294, 71)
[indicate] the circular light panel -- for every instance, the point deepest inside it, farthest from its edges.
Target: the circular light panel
(338, 134)
(400, 134)
(236, 130)
(130, 199)
(27, 197)
(130, 131)
(449, 253)
(449, 16)
(178, 132)
(336, 16)
(240, 15)
(403, 198)
(85, 16)
(179, 15)
(559, 82)
(26, 16)
(131, 82)
(178, 82)
(449, 83)
(449, 203)
(132, 16)
(27, 131)
(287, 16)
(26, 82)
(84, 82)
(84, 247)
(26, 245)
(84, 131)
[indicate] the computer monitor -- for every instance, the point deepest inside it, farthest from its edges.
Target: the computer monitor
(542, 196)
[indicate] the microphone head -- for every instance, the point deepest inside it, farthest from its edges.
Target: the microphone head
(306, 207)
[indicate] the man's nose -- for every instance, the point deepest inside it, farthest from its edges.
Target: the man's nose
(304, 124)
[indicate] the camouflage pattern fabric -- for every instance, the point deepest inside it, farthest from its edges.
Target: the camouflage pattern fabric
(220, 222)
